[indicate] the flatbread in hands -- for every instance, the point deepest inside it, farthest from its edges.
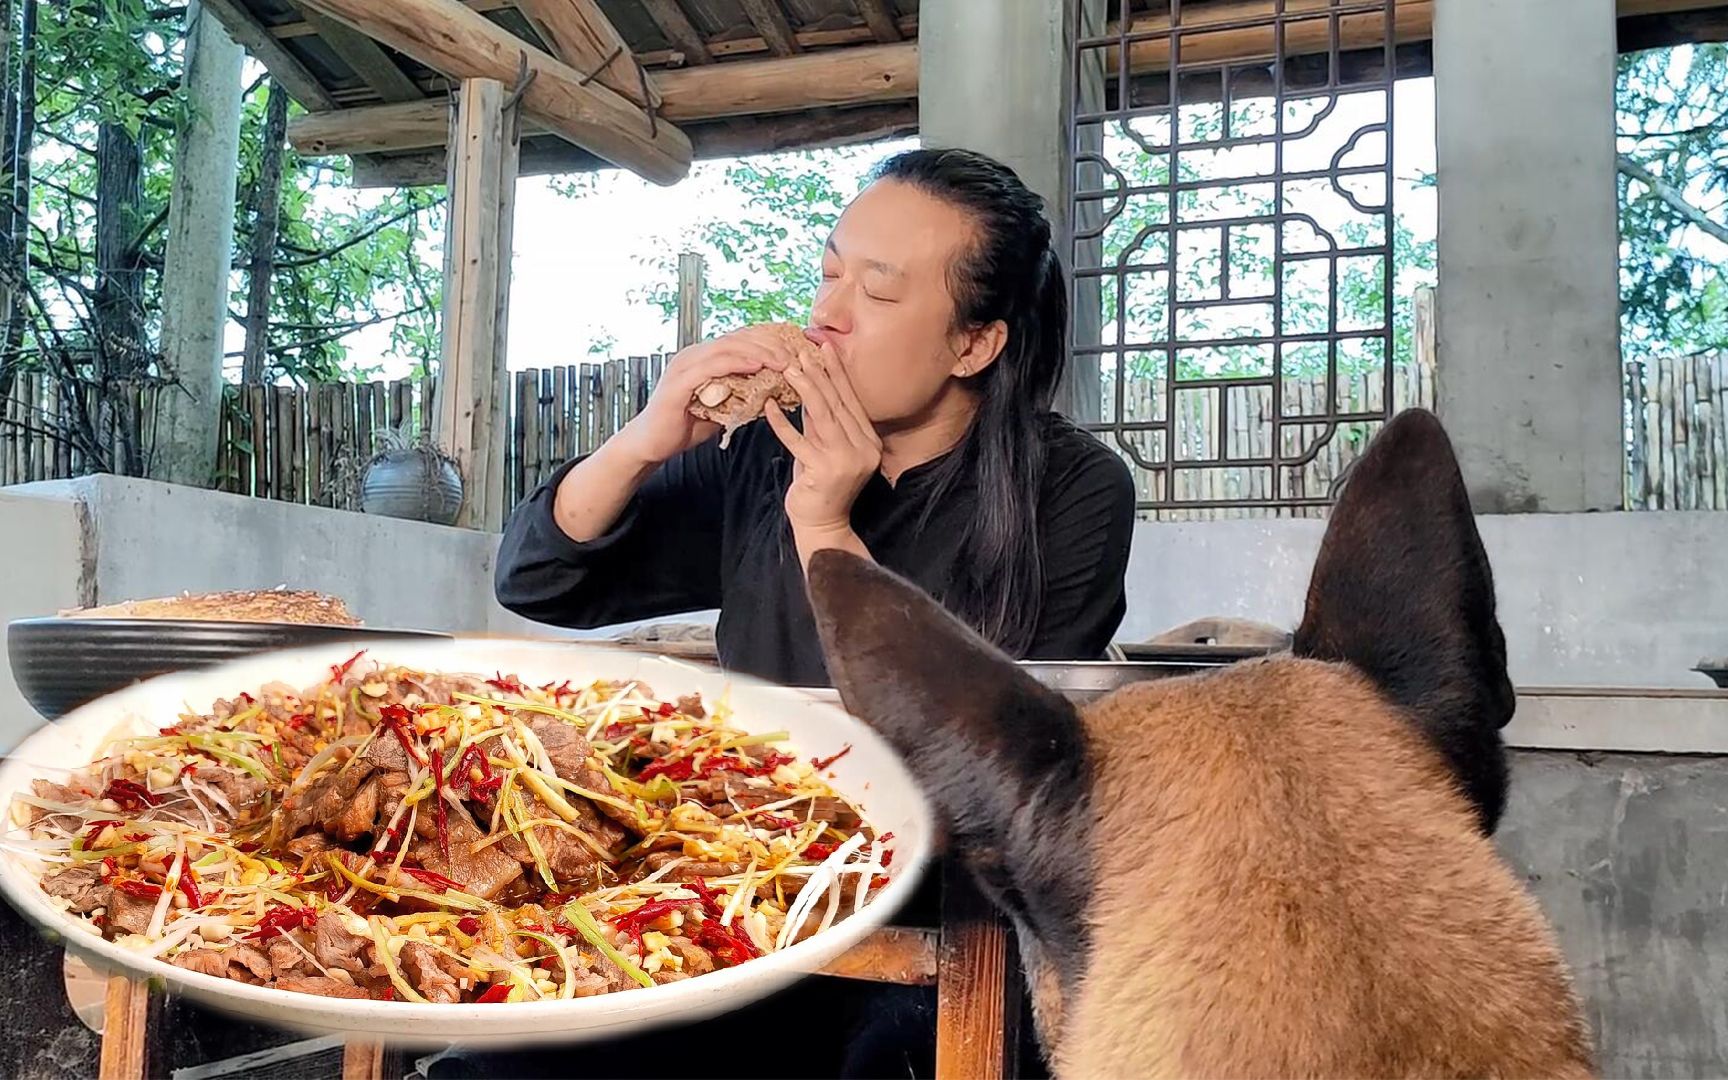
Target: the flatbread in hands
(735, 400)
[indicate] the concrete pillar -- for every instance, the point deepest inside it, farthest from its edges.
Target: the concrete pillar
(995, 77)
(200, 249)
(1529, 334)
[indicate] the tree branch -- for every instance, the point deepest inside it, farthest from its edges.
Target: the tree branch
(358, 239)
(1674, 197)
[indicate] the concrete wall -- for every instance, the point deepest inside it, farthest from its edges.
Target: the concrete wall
(1528, 323)
(149, 539)
(1618, 599)
(42, 572)
(1625, 853)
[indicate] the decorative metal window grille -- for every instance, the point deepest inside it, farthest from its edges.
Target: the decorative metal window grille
(1233, 228)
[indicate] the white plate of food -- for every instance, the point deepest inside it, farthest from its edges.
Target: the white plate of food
(472, 840)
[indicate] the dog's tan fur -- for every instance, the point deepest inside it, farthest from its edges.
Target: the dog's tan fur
(1280, 869)
(1387, 944)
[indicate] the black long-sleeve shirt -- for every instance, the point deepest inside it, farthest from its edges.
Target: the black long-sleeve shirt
(708, 529)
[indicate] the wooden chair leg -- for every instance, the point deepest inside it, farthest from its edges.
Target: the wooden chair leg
(978, 987)
(125, 1026)
(362, 1060)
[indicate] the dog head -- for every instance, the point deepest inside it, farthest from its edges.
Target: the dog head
(1078, 823)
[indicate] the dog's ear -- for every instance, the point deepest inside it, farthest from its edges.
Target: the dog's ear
(1001, 756)
(1402, 591)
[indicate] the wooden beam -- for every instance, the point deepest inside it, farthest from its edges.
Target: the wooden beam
(867, 75)
(448, 37)
(471, 406)
(879, 19)
(582, 36)
(769, 19)
(366, 57)
(731, 138)
(678, 30)
(864, 76)
(290, 73)
(978, 986)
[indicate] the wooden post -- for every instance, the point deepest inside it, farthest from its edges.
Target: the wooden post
(471, 408)
(125, 1020)
(689, 299)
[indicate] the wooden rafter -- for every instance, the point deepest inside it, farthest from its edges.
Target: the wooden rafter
(678, 30)
(450, 38)
(366, 57)
(879, 19)
(769, 19)
(581, 35)
(288, 72)
(731, 138)
(864, 76)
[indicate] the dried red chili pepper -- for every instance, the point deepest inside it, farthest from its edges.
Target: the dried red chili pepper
(109, 867)
(170, 730)
(440, 814)
(824, 764)
(283, 918)
(340, 671)
(298, 721)
(494, 994)
(728, 946)
(438, 882)
(775, 821)
(143, 890)
(676, 769)
(189, 885)
(489, 782)
(510, 684)
(400, 722)
(130, 795)
(617, 731)
(96, 828)
(188, 769)
(635, 923)
(468, 924)
(389, 993)
(818, 852)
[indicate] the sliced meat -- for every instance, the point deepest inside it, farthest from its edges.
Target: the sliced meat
(568, 750)
(691, 705)
(697, 960)
(385, 752)
(49, 791)
(327, 799)
(310, 845)
(208, 961)
(691, 868)
(245, 958)
(322, 986)
(358, 815)
(240, 962)
(127, 914)
(335, 947)
(286, 961)
(424, 967)
(246, 793)
(80, 886)
(484, 873)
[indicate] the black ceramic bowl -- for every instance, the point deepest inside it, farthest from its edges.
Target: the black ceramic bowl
(59, 664)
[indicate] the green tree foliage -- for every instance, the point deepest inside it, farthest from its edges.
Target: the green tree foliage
(1673, 127)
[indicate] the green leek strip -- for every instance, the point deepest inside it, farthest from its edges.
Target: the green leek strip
(536, 780)
(568, 989)
(239, 761)
(596, 796)
(102, 853)
(658, 790)
(588, 928)
(754, 740)
(452, 898)
(526, 706)
(513, 821)
(403, 986)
